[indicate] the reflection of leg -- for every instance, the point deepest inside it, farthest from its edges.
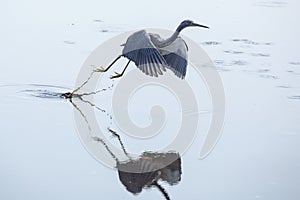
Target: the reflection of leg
(162, 190)
(117, 75)
(82, 114)
(114, 133)
(102, 69)
(97, 139)
(92, 104)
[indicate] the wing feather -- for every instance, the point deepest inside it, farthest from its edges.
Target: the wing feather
(160, 68)
(154, 67)
(176, 57)
(140, 49)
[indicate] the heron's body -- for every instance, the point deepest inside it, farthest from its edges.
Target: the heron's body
(152, 54)
(154, 59)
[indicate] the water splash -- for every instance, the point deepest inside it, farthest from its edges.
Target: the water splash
(34, 90)
(42, 93)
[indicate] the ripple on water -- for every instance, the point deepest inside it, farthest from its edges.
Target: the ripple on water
(268, 76)
(46, 94)
(69, 42)
(223, 69)
(250, 42)
(260, 55)
(42, 91)
(233, 52)
(238, 63)
(293, 72)
(211, 43)
(263, 70)
(222, 63)
(284, 86)
(97, 20)
(219, 62)
(296, 97)
(294, 63)
(271, 4)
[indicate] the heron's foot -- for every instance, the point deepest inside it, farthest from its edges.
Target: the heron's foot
(67, 95)
(117, 75)
(101, 69)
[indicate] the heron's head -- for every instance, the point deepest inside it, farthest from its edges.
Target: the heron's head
(188, 23)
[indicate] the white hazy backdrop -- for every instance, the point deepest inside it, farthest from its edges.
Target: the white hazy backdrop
(253, 43)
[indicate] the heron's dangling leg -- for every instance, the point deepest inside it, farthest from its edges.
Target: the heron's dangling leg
(117, 75)
(101, 69)
(114, 133)
(162, 190)
(97, 139)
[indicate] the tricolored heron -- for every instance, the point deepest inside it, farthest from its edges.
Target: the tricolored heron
(152, 54)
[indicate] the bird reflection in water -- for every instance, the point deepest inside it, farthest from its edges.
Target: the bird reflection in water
(147, 170)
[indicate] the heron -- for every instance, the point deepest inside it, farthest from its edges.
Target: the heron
(152, 54)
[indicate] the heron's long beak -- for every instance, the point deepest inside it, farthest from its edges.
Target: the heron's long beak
(195, 24)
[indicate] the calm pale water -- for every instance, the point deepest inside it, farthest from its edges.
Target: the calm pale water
(255, 47)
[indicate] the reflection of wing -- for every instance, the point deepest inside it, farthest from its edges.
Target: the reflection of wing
(176, 56)
(143, 53)
(172, 172)
(149, 168)
(137, 174)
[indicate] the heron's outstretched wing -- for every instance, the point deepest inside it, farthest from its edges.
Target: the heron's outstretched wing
(139, 49)
(176, 57)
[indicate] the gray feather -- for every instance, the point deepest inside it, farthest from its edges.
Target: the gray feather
(143, 53)
(176, 56)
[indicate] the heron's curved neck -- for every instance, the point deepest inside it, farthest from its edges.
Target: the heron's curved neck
(166, 42)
